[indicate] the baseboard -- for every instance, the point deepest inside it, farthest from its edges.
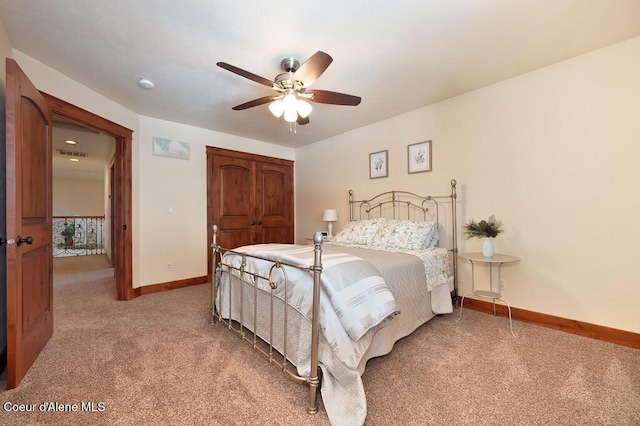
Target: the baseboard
(170, 285)
(607, 334)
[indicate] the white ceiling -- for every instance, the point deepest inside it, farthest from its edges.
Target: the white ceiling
(398, 56)
(94, 150)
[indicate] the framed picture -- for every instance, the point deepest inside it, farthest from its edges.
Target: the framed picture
(378, 164)
(171, 149)
(419, 156)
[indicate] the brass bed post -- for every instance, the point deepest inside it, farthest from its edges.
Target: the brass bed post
(454, 262)
(214, 264)
(351, 205)
(314, 381)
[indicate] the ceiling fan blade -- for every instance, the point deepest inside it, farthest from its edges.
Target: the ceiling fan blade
(302, 121)
(245, 74)
(334, 98)
(312, 68)
(254, 103)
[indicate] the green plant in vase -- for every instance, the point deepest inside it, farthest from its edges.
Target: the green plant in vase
(486, 229)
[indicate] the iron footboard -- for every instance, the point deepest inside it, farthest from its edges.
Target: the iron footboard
(243, 297)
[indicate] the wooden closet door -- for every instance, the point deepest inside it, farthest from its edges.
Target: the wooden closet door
(233, 201)
(274, 199)
(249, 198)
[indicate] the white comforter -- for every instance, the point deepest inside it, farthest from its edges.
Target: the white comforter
(354, 298)
(343, 354)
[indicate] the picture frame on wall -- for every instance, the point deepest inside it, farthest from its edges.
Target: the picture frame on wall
(379, 164)
(171, 149)
(419, 157)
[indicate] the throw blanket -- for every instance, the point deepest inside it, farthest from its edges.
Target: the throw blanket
(358, 294)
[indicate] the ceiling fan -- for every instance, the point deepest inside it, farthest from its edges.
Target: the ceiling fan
(293, 88)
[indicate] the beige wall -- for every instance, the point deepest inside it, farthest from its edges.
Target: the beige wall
(5, 52)
(78, 197)
(54, 83)
(158, 183)
(553, 153)
(173, 199)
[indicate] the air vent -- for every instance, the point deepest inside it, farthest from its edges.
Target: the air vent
(72, 153)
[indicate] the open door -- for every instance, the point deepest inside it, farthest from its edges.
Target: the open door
(28, 204)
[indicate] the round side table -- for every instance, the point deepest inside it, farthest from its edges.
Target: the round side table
(496, 259)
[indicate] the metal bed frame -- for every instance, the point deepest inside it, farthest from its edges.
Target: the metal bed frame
(401, 205)
(316, 269)
(396, 201)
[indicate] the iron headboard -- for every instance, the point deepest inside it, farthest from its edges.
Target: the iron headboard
(410, 206)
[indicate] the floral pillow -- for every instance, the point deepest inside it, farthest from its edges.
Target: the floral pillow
(359, 232)
(406, 234)
(431, 240)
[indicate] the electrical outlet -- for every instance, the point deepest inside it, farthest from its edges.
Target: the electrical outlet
(169, 267)
(503, 285)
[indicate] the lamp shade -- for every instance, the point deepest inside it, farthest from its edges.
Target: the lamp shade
(330, 215)
(277, 108)
(290, 103)
(290, 115)
(304, 108)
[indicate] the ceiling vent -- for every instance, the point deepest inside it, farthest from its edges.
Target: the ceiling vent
(72, 153)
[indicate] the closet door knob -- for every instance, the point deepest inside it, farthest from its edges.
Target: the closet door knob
(253, 222)
(28, 240)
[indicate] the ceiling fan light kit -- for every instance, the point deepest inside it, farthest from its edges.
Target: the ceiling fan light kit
(277, 108)
(304, 108)
(292, 87)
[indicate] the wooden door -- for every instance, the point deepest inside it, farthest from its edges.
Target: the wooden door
(249, 198)
(274, 199)
(28, 204)
(233, 201)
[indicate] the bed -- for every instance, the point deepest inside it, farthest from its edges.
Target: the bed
(320, 312)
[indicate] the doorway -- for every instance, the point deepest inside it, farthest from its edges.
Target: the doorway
(121, 243)
(81, 166)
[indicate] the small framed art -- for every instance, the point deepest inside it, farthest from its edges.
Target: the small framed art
(419, 157)
(171, 149)
(378, 164)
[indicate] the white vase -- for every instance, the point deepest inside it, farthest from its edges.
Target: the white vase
(487, 247)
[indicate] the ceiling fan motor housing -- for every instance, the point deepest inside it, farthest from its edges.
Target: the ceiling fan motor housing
(285, 80)
(290, 64)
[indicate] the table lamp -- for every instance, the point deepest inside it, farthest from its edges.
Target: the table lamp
(330, 215)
